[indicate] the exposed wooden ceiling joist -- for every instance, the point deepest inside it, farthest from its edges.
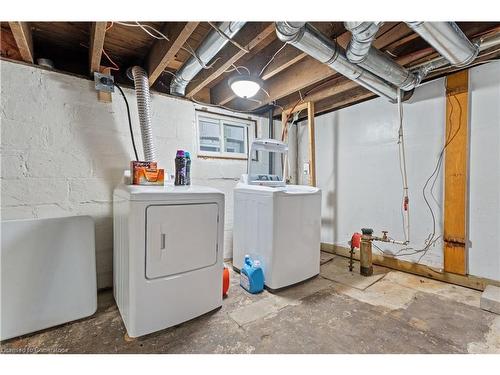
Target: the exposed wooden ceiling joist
(310, 71)
(97, 34)
(288, 56)
(341, 91)
(249, 37)
(24, 39)
(163, 51)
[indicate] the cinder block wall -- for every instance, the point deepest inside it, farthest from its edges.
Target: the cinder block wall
(63, 152)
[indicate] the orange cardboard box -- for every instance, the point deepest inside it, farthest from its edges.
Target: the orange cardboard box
(146, 173)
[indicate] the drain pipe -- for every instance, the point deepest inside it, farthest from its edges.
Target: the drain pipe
(448, 40)
(361, 52)
(365, 253)
(212, 44)
(311, 41)
(141, 84)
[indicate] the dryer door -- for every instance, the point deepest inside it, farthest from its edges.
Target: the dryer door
(180, 238)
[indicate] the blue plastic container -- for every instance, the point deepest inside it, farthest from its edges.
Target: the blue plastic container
(252, 276)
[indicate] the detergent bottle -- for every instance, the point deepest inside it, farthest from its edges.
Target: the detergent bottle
(252, 276)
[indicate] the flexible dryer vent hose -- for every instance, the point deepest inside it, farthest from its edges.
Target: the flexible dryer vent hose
(141, 84)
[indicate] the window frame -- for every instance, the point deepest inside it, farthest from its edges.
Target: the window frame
(222, 120)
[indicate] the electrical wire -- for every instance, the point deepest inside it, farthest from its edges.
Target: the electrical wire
(115, 66)
(271, 60)
(432, 238)
(236, 68)
(159, 35)
(129, 120)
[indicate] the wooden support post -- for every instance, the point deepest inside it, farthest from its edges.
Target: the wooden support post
(455, 185)
(312, 144)
(309, 106)
(97, 33)
(24, 40)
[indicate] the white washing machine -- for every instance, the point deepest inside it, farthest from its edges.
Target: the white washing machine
(280, 226)
(168, 254)
(276, 223)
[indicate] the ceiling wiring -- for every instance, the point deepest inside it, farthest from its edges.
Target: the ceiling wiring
(159, 35)
(271, 59)
(229, 39)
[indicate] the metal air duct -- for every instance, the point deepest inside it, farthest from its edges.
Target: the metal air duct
(141, 84)
(212, 44)
(361, 52)
(308, 39)
(447, 39)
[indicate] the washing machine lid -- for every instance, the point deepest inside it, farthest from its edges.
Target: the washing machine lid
(283, 190)
(142, 193)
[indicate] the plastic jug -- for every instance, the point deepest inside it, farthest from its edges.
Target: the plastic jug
(252, 276)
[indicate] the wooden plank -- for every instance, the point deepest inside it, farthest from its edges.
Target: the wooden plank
(309, 106)
(163, 51)
(467, 281)
(249, 37)
(97, 33)
(312, 143)
(455, 185)
(289, 55)
(24, 39)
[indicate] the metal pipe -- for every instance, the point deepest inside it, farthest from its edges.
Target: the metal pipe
(210, 46)
(365, 253)
(141, 84)
(309, 40)
(447, 39)
(361, 52)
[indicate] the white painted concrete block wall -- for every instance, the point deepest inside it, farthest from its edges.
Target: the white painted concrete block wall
(358, 169)
(63, 152)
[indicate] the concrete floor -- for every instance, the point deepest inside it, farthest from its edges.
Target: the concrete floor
(336, 312)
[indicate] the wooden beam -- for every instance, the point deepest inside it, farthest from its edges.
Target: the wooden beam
(289, 55)
(163, 51)
(24, 39)
(469, 281)
(312, 143)
(97, 33)
(249, 37)
(455, 183)
(309, 106)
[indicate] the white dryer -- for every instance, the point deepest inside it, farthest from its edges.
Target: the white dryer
(168, 254)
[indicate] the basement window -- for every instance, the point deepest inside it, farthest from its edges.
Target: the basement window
(223, 136)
